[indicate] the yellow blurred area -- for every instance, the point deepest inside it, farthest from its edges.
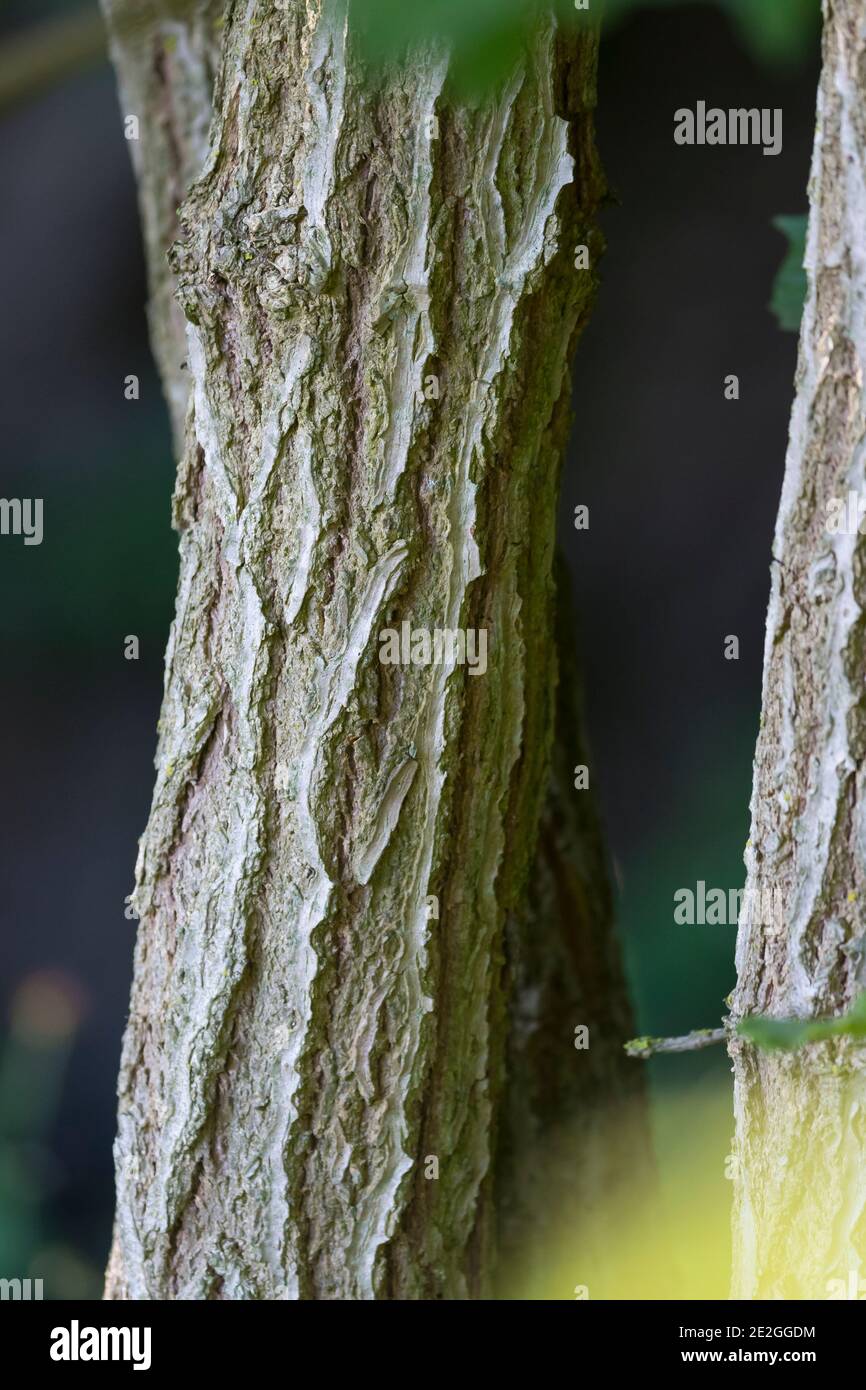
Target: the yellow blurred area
(648, 1236)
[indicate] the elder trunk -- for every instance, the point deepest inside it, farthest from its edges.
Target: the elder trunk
(350, 927)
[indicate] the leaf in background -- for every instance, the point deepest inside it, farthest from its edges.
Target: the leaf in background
(485, 36)
(775, 32)
(775, 1035)
(789, 289)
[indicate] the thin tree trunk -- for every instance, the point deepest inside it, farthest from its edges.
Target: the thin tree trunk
(336, 951)
(800, 1207)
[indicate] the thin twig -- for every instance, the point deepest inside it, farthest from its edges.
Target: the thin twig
(690, 1042)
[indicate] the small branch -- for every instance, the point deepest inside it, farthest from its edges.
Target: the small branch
(690, 1042)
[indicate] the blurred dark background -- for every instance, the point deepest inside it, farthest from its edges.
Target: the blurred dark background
(682, 487)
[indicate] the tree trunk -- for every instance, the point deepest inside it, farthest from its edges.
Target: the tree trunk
(336, 955)
(800, 1207)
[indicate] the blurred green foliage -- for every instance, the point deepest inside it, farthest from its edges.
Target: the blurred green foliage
(774, 31)
(108, 564)
(485, 36)
(697, 833)
(787, 1034)
(789, 289)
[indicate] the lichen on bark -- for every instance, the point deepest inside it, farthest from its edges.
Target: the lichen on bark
(327, 981)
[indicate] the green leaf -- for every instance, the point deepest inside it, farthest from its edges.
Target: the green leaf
(777, 1034)
(485, 37)
(789, 290)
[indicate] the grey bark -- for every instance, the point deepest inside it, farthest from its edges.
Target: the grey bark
(800, 1207)
(305, 1031)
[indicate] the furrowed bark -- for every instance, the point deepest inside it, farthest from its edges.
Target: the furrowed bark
(800, 1206)
(305, 1031)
